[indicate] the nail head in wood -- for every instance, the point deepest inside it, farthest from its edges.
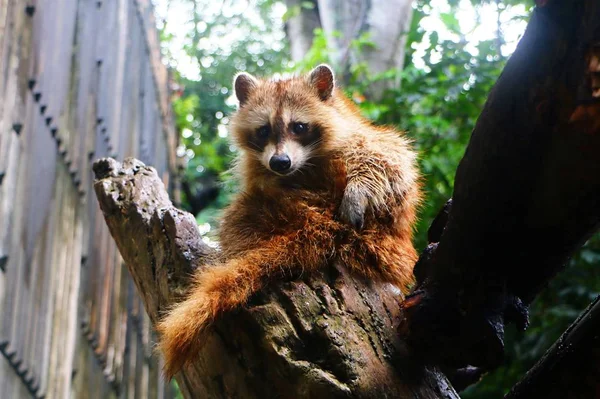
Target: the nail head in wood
(17, 127)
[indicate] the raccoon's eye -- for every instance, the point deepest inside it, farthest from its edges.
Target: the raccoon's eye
(263, 132)
(299, 127)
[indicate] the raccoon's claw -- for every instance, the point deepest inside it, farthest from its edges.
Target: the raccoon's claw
(354, 218)
(352, 212)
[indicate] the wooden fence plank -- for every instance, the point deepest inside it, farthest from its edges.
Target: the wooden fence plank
(79, 79)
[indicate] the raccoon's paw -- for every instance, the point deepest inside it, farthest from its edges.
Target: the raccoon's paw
(352, 209)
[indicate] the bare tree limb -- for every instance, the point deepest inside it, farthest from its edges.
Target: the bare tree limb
(571, 367)
(326, 335)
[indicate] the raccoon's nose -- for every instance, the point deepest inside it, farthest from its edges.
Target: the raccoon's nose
(280, 163)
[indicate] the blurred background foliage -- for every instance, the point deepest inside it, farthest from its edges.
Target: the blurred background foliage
(435, 93)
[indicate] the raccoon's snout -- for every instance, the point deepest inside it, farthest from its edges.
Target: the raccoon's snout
(280, 163)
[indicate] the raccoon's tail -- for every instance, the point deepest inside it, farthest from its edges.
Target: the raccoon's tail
(216, 290)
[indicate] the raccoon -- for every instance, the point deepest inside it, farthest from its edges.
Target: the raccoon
(319, 182)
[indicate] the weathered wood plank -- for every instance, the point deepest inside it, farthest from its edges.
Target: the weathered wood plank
(70, 87)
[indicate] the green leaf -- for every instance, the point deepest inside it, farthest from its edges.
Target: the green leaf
(451, 22)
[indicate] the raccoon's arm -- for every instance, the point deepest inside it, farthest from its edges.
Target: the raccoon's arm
(381, 173)
(225, 287)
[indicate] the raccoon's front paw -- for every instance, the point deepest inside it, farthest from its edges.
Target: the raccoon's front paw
(352, 209)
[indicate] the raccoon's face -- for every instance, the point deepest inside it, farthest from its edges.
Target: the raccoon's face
(281, 123)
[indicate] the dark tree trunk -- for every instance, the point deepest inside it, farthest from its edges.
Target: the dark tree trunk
(527, 192)
(198, 198)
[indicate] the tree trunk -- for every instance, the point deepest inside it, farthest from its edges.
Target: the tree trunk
(300, 27)
(327, 335)
(384, 22)
(388, 24)
(527, 192)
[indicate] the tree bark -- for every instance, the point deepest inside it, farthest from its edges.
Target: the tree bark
(571, 367)
(527, 192)
(385, 22)
(388, 25)
(327, 335)
(300, 27)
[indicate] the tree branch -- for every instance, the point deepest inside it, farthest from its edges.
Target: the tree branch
(527, 192)
(571, 367)
(327, 335)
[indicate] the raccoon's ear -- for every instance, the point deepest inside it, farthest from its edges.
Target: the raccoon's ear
(321, 78)
(244, 84)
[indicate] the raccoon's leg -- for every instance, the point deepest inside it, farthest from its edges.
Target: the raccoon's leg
(381, 175)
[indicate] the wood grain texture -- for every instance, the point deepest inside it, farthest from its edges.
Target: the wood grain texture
(78, 79)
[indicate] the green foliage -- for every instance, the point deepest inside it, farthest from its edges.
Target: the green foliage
(297, 9)
(318, 53)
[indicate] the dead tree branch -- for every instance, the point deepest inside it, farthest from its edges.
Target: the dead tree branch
(571, 367)
(327, 335)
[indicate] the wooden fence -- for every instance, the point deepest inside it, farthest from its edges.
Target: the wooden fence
(79, 80)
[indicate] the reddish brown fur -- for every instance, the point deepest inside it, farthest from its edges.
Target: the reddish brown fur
(286, 225)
